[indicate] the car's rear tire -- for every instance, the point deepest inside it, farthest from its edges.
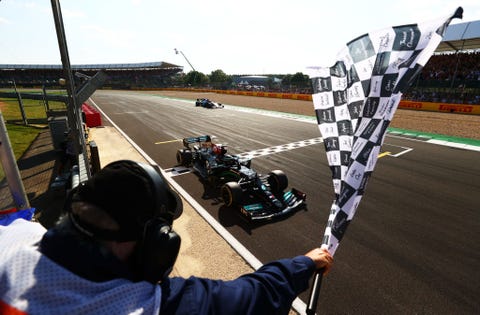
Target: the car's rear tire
(232, 194)
(278, 181)
(184, 157)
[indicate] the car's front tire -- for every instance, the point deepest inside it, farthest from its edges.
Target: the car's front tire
(278, 181)
(232, 194)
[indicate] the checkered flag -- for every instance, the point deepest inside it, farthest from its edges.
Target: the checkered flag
(356, 99)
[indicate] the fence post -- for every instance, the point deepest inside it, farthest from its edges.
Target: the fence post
(20, 103)
(10, 168)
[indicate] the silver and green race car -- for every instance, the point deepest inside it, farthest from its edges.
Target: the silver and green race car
(258, 197)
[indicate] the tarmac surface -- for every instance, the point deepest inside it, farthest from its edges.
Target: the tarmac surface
(203, 253)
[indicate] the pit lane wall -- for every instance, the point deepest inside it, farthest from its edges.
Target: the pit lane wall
(404, 104)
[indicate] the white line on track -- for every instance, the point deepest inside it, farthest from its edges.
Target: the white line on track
(281, 148)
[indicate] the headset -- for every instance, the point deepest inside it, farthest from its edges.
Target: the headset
(158, 247)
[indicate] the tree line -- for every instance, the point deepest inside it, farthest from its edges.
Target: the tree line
(220, 80)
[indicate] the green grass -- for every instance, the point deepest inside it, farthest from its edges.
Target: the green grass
(20, 139)
(21, 136)
(35, 110)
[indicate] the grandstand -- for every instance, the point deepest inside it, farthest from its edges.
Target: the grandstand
(121, 76)
(452, 75)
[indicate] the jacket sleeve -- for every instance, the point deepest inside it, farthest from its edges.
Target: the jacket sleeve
(269, 290)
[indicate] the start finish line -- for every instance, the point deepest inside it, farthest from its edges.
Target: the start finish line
(394, 151)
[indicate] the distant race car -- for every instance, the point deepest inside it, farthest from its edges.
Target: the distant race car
(205, 102)
(259, 197)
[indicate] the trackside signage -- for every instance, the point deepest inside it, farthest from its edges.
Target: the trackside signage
(441, 107)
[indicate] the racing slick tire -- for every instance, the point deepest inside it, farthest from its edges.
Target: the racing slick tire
(184, 157)
(278, 181)
(232, 194)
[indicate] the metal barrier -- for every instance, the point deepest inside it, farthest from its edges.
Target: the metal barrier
(75, 177)
(80, 171)
(94, 157)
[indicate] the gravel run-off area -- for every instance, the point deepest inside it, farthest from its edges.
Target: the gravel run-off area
(456, 125)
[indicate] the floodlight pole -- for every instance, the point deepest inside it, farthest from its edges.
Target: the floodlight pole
(179, 51)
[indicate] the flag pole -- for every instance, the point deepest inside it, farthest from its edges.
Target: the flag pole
(315, 292)
(318, 276)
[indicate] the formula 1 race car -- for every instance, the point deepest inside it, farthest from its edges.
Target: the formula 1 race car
(259, 197)
(205, 102)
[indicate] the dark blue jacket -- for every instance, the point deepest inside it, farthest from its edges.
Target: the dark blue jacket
(269, 290)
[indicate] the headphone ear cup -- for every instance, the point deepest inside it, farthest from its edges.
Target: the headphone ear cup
(158, 252)
(67, 204)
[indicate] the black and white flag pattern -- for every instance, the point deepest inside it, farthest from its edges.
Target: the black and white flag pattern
(356, 99)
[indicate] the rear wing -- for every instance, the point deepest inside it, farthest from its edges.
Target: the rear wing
(199, 139)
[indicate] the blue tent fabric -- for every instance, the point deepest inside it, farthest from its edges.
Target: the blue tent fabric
(27, 214)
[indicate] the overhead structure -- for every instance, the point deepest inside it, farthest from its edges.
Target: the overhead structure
(461, 37)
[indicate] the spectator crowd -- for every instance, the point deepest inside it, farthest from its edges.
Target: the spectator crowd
(449, 78)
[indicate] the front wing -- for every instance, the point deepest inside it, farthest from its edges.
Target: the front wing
(292, 200)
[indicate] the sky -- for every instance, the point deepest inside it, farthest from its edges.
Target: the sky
(239, 37)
